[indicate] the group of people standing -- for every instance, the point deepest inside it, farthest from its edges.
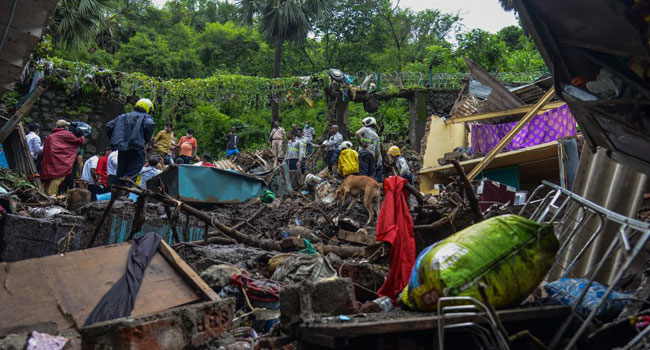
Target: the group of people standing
(340, 154)
(59, 158)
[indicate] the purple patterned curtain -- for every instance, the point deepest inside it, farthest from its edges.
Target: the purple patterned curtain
(546, 127)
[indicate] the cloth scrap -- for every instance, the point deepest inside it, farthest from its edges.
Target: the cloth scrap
(395, 226)
(120, 299)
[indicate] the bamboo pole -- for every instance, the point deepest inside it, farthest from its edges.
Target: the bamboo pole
(506, 140)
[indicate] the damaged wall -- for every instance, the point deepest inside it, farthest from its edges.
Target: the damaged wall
(96, 110)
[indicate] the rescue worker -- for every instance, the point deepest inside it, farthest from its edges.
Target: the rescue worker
(231, 142)
(101, 178)
(148, 171)
(348, 160)
(308, 134)
(400, 165)
(164, 143)
(369, 151)
(129, 134)
(188, 147)
(59, 154)
(34, 143)
(276, 138)
(333, 145)
(89, 174)
(295, 152)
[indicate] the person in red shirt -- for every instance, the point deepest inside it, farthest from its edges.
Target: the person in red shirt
(59, 154)
(207, 161)
(102, 172)
(188, 147)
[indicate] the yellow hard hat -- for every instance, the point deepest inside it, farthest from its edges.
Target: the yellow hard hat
(394, 151)
(145, 104)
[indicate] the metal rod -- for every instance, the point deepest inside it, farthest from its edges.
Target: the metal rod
(640, 245)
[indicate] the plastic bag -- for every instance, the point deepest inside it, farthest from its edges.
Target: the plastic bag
(509, 253)
(566, 291)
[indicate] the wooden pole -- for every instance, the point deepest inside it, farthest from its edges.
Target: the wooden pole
(506, 140)
(20, 114)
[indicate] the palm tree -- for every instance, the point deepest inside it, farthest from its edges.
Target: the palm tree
(280, 21)
(77, 22)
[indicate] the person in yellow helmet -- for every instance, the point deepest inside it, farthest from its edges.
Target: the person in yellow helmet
(400, 165)
(129, 134)
(348, 160)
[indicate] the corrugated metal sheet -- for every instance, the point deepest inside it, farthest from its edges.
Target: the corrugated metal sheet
(26, 29)
(613, 186)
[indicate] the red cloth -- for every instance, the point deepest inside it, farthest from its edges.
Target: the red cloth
(102, 170)
(395, 226)
(208, 165)
(59, 153)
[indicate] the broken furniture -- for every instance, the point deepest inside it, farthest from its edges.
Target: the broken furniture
(416, 329)
(578, 224)
(205, 185)
(63, 289)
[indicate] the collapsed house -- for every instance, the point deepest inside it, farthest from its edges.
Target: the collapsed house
(248, 255)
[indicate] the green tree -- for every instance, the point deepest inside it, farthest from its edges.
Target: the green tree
(77, 22)
(280, 21)
(228, 47)
(483, 48)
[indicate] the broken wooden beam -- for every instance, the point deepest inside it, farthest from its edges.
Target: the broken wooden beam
(265, 244)
(20, 114)
(511, 134)
(354, 237)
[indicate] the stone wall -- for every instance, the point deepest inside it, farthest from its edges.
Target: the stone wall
(56, 103)
(440, 102)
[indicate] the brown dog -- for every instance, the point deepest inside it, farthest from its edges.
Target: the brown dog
(355, 185)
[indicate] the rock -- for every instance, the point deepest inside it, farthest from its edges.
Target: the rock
(219, 276)
(325, 297)
(77, 198)
(49, 94)
(302, 232)
(15, 341)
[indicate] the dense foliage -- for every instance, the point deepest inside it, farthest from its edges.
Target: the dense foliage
(207, 63)
(198, 38)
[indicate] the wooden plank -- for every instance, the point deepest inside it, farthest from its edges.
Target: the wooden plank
(423, 322)
(186, 271)
(357, 237)
(504, 113)
(65, 288)
(21, 113)
(511, 134)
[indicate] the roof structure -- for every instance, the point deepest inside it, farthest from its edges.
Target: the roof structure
(27, 20)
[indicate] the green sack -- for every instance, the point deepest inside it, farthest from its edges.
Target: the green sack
(267, 197)
(509, 253)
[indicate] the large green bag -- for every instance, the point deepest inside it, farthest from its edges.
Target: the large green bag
(510, 253)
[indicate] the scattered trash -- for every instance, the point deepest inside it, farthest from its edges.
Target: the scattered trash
(568, 290)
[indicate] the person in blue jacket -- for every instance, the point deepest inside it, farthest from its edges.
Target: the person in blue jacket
(129, 134)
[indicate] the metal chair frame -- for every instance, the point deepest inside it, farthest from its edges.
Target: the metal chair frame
(571, 213)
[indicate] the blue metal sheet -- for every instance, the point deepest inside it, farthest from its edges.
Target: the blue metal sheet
(196, 184)
(120, 230)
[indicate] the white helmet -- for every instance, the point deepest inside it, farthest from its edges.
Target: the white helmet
(346, 145)
(369, 121)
